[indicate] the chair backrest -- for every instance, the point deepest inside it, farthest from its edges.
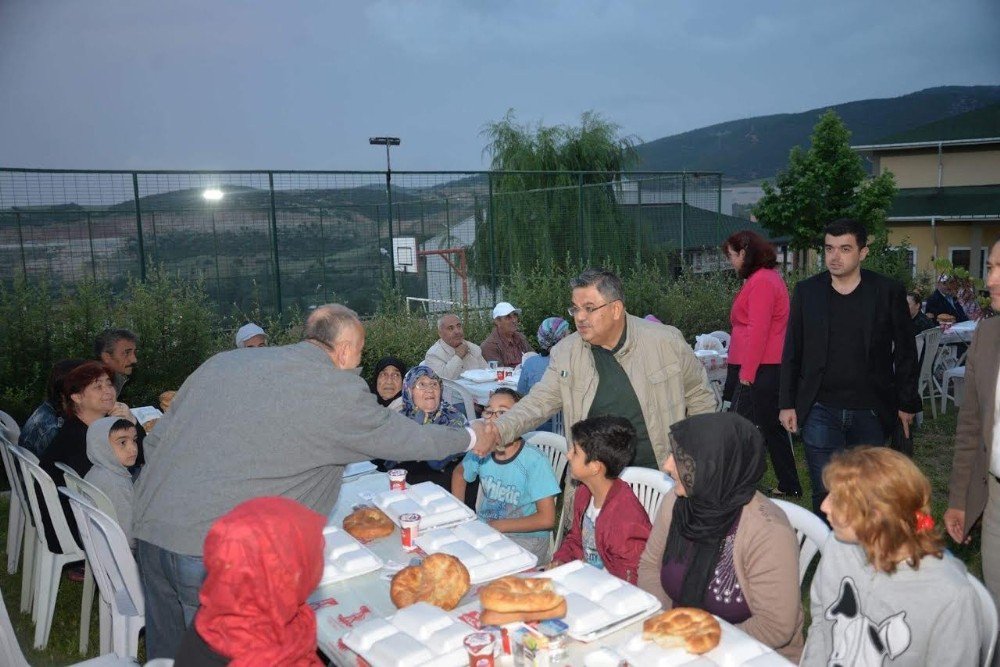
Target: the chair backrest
(16, 477)
(990, 620)
(454, 389)
(43, 491)
(109, 555)
(79, 485)
(554, 447)
(810, 531)
(722, 336)
(931, 343)
(649, 486)
(9, 428)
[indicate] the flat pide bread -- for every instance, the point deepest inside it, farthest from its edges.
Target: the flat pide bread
(368, 523)
(440, 580)
(694, 630)
(511, 599)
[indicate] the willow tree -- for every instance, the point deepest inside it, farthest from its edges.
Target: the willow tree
(553, 196)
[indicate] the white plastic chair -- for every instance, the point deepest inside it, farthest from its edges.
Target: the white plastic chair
(929, 342)
(115, 570)
(9, 428)
(554, 447)
(722, 336)
(29, 537)
(49, 563)
(15, 512)
(98, 498)
(990, 619)
(11, 655)
(954, 376)
(455, 389)
(810, 531)
(649, 486)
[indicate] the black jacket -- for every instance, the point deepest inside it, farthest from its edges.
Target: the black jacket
(892, 352)
(937, 304)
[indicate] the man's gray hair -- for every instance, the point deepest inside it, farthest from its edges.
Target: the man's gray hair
(108, 339)
(328, 323)
(607, 283)
(441, 319)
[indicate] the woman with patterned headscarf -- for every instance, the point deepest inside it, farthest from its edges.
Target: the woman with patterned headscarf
(262, 560)
(550, 331)
(423, 403)
(717, 543)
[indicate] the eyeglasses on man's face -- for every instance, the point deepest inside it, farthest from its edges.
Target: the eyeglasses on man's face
(589, 310)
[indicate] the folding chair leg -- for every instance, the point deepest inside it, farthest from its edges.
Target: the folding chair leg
(15, 532)
(28, 569)
(85, 607)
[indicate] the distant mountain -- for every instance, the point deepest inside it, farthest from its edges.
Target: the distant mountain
(756, 148)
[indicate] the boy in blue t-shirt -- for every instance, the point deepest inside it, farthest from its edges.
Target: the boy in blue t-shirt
(517, 484)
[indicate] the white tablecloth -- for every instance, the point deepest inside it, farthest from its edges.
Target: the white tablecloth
(959, 333)
(341, 606)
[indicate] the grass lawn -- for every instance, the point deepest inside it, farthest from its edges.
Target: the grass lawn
(934, 443)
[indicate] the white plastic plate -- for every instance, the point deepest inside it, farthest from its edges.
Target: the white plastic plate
(436, 507)
(598, 603)
(735, 648)
(487, 553)
(419, 635)
(344, 557)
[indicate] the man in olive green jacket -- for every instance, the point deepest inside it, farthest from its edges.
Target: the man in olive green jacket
(615, 364)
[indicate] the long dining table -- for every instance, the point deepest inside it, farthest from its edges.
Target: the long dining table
(342, 606)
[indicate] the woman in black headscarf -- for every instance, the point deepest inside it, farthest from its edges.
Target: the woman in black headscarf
(388, 383)
(719, 545)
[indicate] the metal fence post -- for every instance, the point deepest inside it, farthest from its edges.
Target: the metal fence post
(638, 224)
(138, 227)
(493, 245)
(683, 215)
(718, 212)
(579, 216)
(90, 238)
(215, 247)
(274, 244)
(20, 240)
(156, 249)
(392, 251)
(322, 255)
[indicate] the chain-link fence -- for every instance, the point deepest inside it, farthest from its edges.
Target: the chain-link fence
(280, 239)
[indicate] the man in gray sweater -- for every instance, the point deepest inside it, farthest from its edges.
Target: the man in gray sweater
(278, 421)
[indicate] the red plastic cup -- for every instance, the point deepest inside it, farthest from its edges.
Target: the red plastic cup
(397, 479)
(409, 525)
(479, 646)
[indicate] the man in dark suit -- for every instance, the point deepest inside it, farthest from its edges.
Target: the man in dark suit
(944, 300)
(974, 487)
(849, 366)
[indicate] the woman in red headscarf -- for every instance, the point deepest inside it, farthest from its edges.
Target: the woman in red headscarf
(262, 560)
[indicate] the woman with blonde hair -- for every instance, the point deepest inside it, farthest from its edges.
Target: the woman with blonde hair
(886, 586)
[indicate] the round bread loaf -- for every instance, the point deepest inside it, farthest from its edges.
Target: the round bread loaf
(166, 398)
(514, 594)
(440, 579)
(695, 630)
(368, 523)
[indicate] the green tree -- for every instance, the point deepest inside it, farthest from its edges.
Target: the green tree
(822, 183)
(553, 195)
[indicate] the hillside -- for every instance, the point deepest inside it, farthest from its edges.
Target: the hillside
(756, 148)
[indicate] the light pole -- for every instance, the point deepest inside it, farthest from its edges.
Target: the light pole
(387, 142)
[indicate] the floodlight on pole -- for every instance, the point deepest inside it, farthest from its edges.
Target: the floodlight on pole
(387, 142)
(213, 194)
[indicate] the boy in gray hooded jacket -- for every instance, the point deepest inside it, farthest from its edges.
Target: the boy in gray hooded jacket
(112, 448)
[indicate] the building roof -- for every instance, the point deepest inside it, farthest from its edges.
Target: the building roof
(973, 127)
(968, 202)
(702, 228)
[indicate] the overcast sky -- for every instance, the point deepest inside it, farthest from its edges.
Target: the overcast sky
(205, 84)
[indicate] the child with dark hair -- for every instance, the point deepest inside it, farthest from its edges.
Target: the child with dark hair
(517, 483)
(112, 449)
(610, 526)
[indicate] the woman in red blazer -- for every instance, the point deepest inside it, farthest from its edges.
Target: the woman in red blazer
(759, 317)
